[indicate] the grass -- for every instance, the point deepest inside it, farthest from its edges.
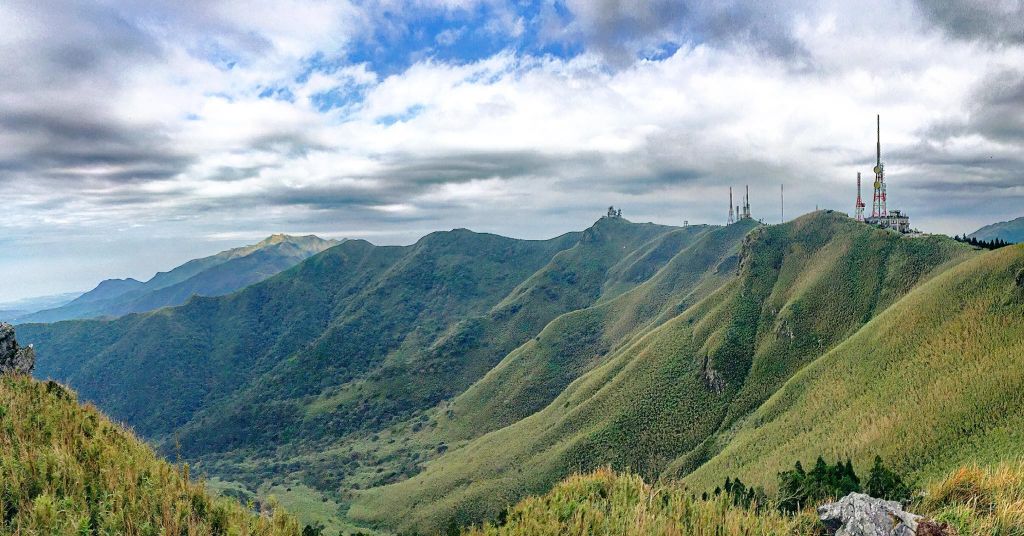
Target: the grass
(604, 502)
(66, 469)
(973, 500)
(979, 500)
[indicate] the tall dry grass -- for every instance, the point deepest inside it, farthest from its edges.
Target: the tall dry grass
(66, 469)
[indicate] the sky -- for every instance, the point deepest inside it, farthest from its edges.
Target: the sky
(135, 135)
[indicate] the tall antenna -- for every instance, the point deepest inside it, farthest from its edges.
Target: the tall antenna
(878, 142)
(782, 203)
(859, 206)
(746, 204)
(878, 209)
(731, 219)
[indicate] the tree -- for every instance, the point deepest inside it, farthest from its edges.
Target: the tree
(884, 483)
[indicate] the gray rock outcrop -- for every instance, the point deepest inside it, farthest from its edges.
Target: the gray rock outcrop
(14, 359)
(858, 514)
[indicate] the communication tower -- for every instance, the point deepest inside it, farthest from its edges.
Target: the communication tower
(859, 207)
(731, 218)
(878, 209)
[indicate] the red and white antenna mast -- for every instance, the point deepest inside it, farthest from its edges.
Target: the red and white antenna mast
(859, 207)
(878, 209)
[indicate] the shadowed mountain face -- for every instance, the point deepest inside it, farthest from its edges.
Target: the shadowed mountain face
(215, 275)
(434, 384)
(1010, 231)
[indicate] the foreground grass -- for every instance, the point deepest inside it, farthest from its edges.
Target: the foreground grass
(605, 502)
(973, 500)
(66, 469)
(977, 500)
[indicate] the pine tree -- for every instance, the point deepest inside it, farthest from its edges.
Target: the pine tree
(884, 483)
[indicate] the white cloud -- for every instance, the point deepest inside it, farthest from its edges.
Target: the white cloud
(514, 143)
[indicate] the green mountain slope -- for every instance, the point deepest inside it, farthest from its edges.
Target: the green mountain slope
(935, 381)
(68, 470)
(658, 402)
(534, 374)
(1010, 231)
(449, 346)
(215, 275)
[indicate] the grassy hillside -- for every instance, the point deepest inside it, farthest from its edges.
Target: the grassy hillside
(68, 470)
(1010, 231)
(215, 275)
(658, 402)
(935, 380)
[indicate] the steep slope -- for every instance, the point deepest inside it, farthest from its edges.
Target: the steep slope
(215, 275)
(455, 338)
(935, 381)
(1010, 231)
(68, 470)
(658, 402)
(535, 373)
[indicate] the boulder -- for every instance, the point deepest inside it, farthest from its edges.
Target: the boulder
(14, 359)
(858, 514)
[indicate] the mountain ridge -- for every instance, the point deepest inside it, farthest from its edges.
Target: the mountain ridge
(216, 274)
(1010, 231)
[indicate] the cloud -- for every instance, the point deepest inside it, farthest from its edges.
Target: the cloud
(129, 120)
(621, 29)
(993, 21)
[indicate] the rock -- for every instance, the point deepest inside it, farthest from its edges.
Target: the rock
(858, 514)
(14, 359)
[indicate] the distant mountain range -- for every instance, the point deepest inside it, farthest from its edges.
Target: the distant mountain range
(426, 387)
(12, 310)
(215, 275)
(1010, 231)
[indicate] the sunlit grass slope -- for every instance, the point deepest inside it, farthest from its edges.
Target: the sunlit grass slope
(657, 403)
(934, 381)
(604, 502)
(66, 469)
(974, 501)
